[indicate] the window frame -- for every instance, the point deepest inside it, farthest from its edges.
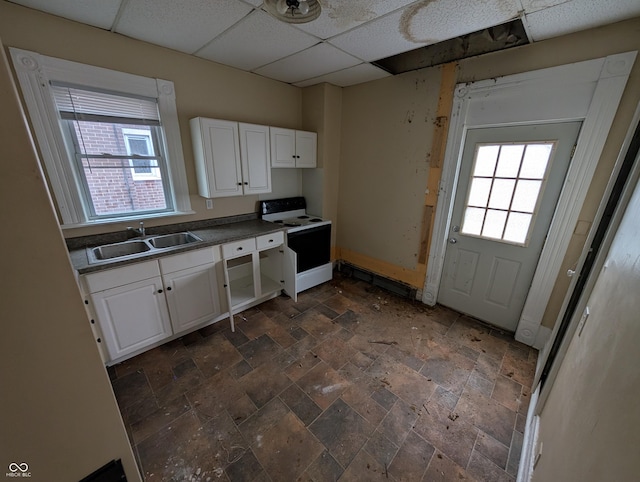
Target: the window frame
(494, 177)
(35, 72)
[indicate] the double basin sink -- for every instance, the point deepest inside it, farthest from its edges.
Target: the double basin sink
(135, 247)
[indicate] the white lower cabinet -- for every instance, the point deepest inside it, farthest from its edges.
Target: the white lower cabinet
(132, 314)
(191, 288)
(142, 304)
(252, 271)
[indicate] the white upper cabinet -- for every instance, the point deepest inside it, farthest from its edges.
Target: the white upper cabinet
(231, 159)
(256, 158)
(291, 148)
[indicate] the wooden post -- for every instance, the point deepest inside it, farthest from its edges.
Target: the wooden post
(441, 129)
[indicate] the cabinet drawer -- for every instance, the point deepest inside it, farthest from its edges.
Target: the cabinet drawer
(110, 278)
(188, 259)
(238, 248)
(267, 241)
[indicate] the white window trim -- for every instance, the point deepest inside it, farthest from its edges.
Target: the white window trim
(35, 72)
(154, 175)
(589, 91)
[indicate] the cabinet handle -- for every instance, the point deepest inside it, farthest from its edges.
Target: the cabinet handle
(159, 291)
(168, 288)
(99, 340)
(271, 240)
(239, 184)
(239, 248)
(246, 183)
(225, 286)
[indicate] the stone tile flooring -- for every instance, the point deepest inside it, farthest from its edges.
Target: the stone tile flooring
(351, 383)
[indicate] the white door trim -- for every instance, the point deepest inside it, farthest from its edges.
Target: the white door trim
(589, 91)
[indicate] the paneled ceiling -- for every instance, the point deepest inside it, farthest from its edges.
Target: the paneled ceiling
(341, 45)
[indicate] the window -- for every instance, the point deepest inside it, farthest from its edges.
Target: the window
(110, 141)
(139, 145)
(505, 187)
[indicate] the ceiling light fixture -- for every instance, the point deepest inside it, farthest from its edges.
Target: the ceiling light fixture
(293, 11)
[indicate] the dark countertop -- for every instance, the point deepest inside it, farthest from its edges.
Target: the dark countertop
(218, 234)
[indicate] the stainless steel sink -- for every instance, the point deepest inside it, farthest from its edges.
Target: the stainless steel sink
(139, 246)
(171, 240)
(118, 250)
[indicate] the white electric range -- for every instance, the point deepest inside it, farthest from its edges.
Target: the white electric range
(308, 240)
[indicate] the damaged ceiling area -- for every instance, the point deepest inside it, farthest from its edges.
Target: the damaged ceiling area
(505, 36)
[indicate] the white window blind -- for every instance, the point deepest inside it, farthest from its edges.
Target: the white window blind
(75, 103)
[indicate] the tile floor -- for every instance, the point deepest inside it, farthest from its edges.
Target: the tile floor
(351, 383)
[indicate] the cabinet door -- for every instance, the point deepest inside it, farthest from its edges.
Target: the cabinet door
(306, 149)
(256, 158)
(283, 147)
(217, 158)
(271, 270)
(192, 296)
(289, 273)
(132, 316)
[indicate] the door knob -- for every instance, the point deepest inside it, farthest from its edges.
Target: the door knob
(453, 240)
(455, 229)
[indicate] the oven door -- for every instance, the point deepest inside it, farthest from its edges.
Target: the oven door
(312, 246)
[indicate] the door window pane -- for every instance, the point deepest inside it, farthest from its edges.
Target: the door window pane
(517, 227)
(479, 192)
(473, 220)
(507, 180)
(535, 161)
(494, 224)
(526, 196)
(509, 161)
(486, 157)
(501, 193)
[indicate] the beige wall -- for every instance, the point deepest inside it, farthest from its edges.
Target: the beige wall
(322, 113)
(387, 133)
(589, 424)
(387, 130)
(203, 88)
(58, 413)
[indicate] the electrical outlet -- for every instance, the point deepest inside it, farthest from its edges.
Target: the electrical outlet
(209, 203)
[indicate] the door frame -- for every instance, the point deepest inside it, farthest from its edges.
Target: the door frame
(588, 91)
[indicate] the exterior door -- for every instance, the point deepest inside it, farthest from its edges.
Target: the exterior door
(509, 183)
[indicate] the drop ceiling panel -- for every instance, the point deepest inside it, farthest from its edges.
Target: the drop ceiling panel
(341, 15)
(351, 76)
(185, 25)
(531, 6)
(99, 13)
(432, 22)
(316, 61)
(257, 40)
(578, 15)
(375, 40)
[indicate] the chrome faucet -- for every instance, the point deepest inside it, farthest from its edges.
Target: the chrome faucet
(136, 232)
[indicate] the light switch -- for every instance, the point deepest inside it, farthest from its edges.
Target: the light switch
(209, 203)
(583, 320)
